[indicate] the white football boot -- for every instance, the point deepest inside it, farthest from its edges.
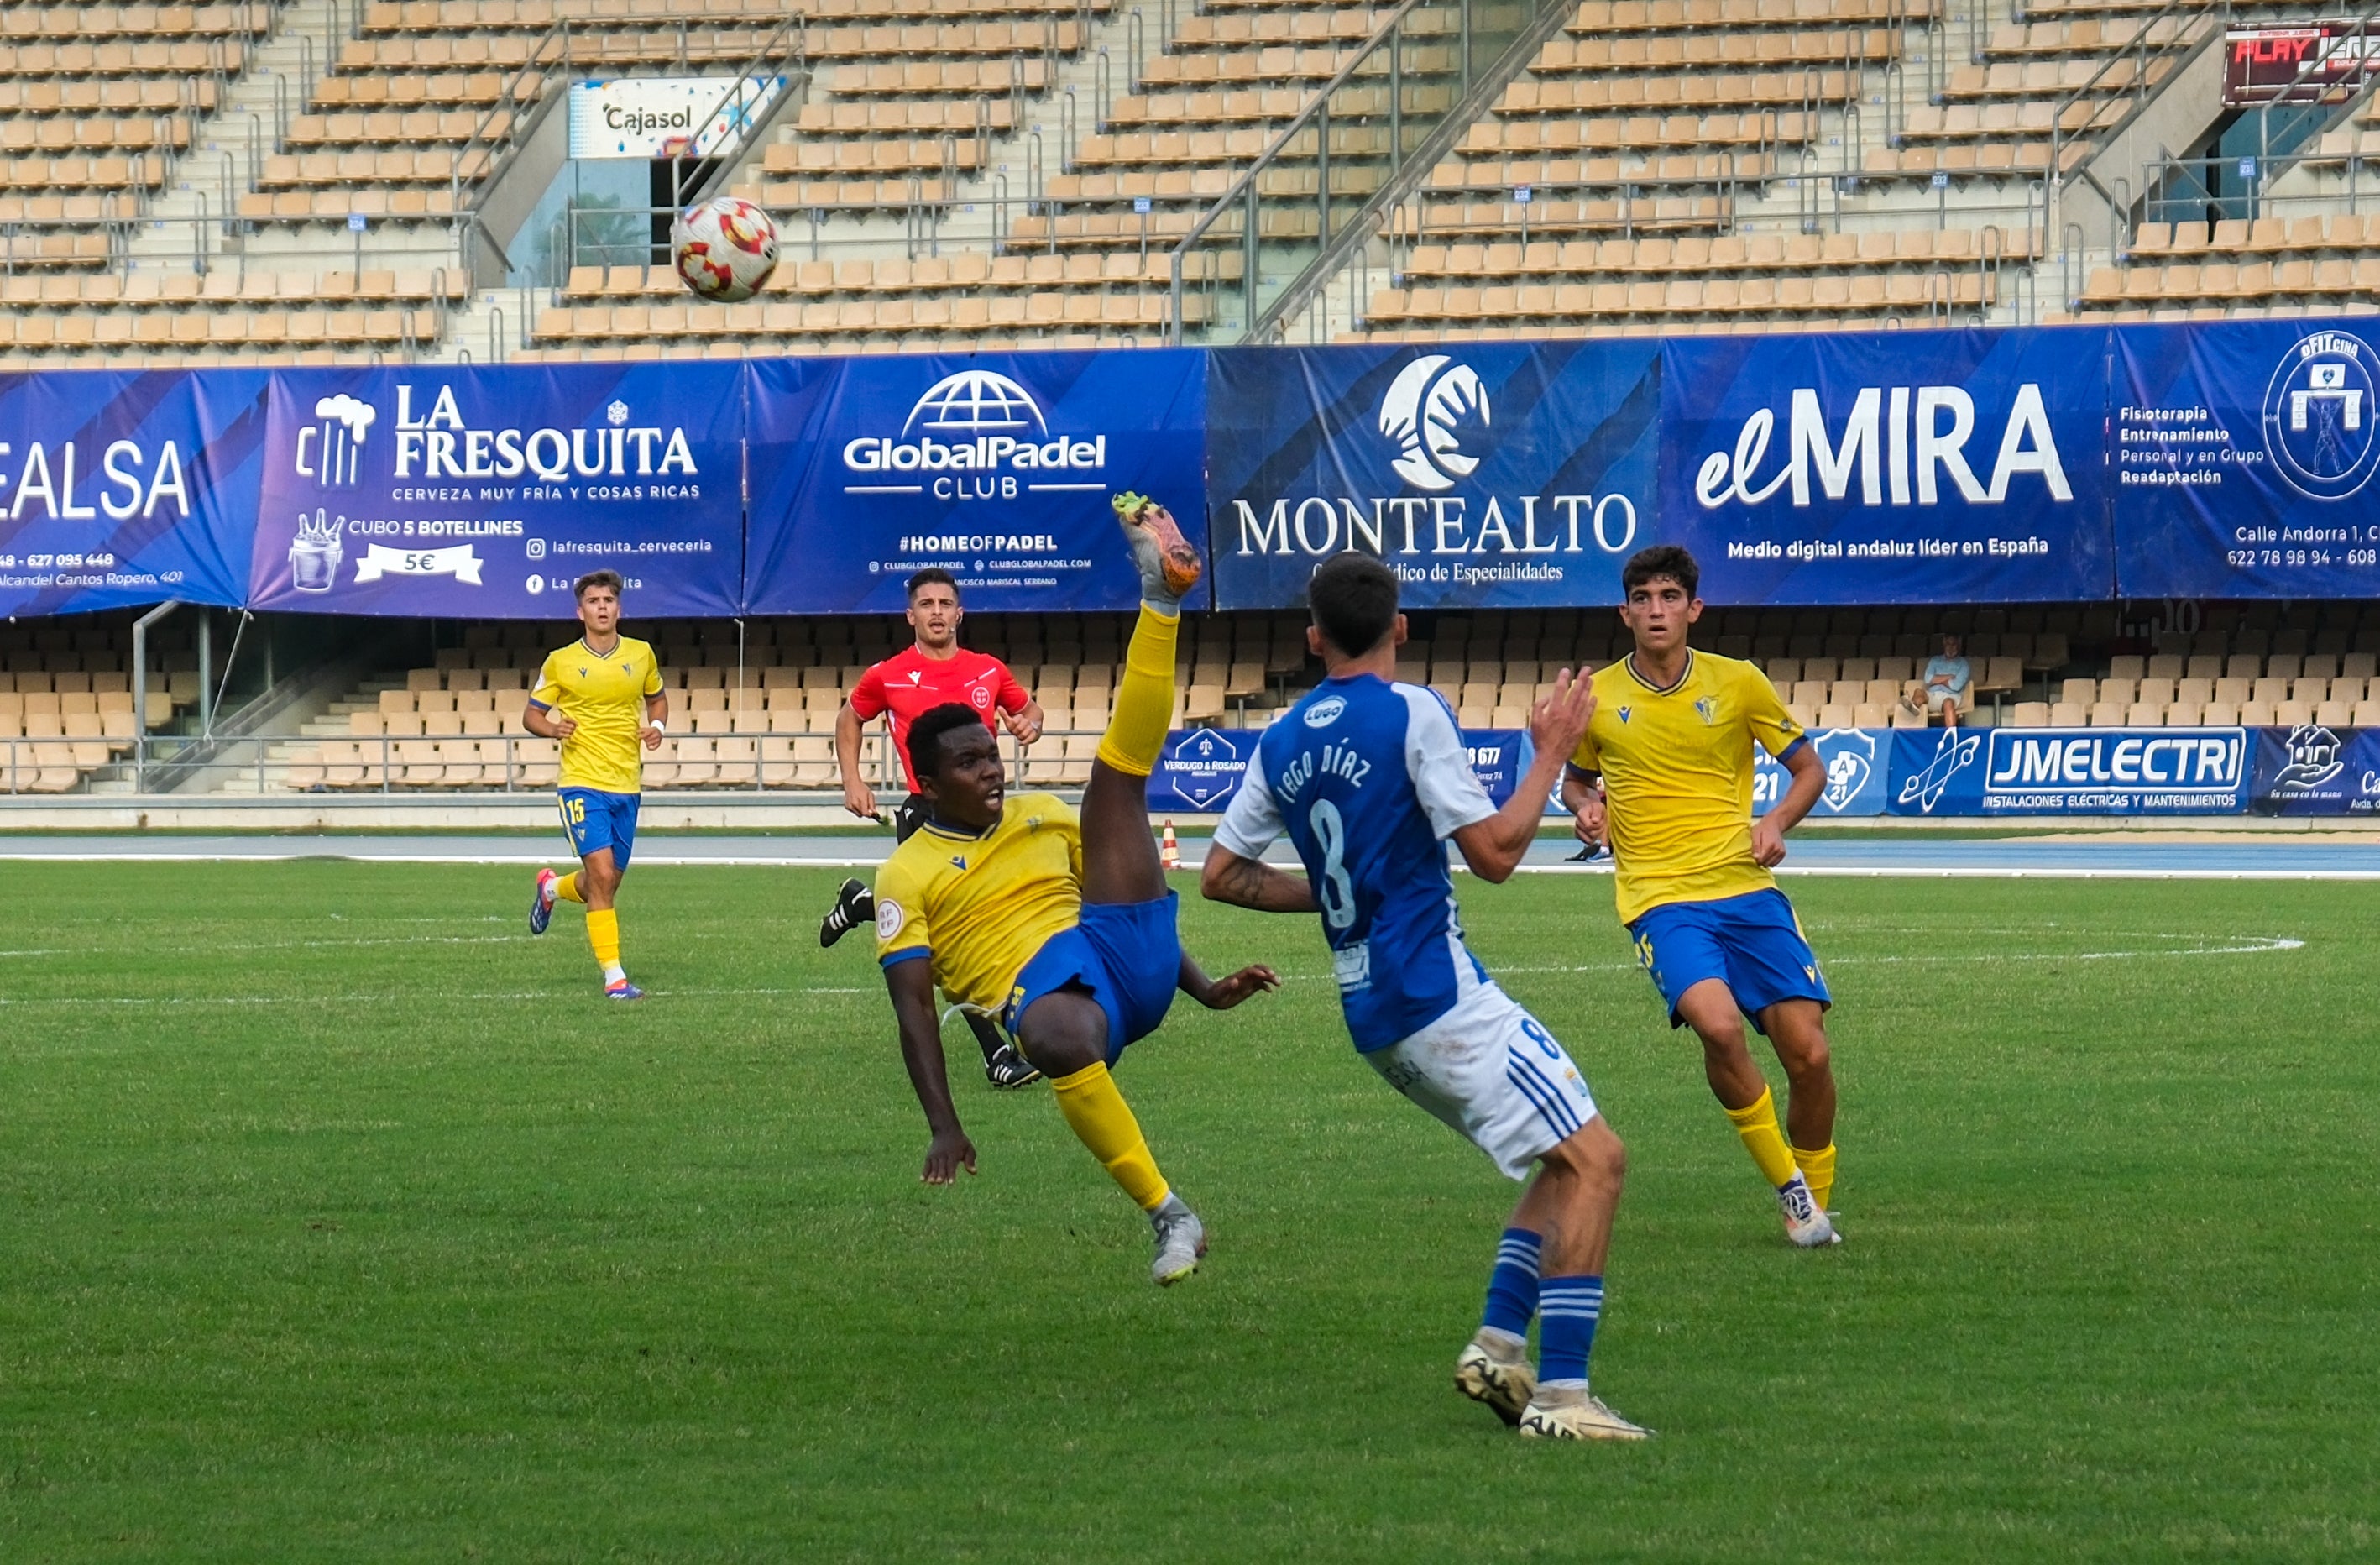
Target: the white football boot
(1180, 1242)
(1804, 1224)
(1493, 1370)
(1570, 1413)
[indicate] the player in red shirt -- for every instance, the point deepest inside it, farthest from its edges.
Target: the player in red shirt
(905, 687)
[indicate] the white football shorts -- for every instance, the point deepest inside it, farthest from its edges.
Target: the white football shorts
(1491, 1072)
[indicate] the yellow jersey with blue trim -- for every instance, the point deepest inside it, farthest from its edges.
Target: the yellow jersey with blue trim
(604, 694)
(1677, 777)
(980, 904)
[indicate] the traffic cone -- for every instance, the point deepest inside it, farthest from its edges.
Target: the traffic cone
(1169, 850)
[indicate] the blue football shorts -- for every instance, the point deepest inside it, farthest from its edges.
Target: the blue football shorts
(1127, 955)
(1752, 943)
(594, 820)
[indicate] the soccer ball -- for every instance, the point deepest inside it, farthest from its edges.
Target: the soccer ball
(725, 248)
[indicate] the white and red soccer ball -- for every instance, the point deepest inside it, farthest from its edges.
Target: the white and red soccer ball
(725, 248)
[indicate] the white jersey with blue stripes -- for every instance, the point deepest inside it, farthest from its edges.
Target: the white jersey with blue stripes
(1367, 780)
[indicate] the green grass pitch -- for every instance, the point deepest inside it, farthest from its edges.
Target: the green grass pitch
(341, 1220)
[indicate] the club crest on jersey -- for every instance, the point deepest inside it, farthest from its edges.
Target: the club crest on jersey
(1708, 708)
(1325, 713)
(889, 919)
(981, 697)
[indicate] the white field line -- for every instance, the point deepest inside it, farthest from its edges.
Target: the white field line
(2009, 872)
(267, 1000)
(2243, 945)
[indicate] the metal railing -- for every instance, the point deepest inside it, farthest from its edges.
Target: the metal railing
(2243, 189)
(2131, 76)
(1353, 136)
(272, 765)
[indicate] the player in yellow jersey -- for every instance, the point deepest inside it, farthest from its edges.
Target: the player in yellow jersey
(1061, 925)
(602, 695)
(1672, 740)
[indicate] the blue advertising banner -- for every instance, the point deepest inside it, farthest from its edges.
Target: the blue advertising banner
(997, 468)
(486, 493)
(2244, 455)
(1493, 475)
(1499, 756)
(1877, 467)
(118, 489)
(2069, 772)
(1858, 760)
(2311, 769)
(1199, 769)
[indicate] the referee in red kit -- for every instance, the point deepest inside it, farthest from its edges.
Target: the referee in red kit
(906, 685)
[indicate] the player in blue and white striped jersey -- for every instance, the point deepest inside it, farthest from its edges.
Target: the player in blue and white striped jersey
(1368, 778)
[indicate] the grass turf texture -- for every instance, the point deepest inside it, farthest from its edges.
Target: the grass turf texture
(345, 1221)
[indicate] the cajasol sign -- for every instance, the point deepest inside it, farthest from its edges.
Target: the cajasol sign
(666, 117)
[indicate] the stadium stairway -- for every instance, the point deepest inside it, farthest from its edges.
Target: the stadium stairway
(334, 721)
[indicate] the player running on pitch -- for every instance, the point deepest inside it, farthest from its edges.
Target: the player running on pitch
(602, 695)
(1672, 741)
(1060, 925)
(1368, 778)
(903, 688)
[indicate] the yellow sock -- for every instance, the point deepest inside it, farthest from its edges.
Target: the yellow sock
(1103, 1122)
(1758, 1125)
(603, 934)
(567, 888)
(1144, 703)
(1818, 1168)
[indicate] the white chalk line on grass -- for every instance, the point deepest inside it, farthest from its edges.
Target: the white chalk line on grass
(2243, 945)
(292, 945)
(2007, 872)
(2246, 945)
(266, 1000)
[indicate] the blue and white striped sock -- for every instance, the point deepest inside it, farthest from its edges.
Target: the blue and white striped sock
(1512, 1286)
(1568, 1308)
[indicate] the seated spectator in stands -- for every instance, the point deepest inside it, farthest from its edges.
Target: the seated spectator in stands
(1942, 687)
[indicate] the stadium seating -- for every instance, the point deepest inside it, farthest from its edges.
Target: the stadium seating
(766, 719)
(1658, 142)
(66, 699)
(1628, 181)
(2327, 261)
(62, 319)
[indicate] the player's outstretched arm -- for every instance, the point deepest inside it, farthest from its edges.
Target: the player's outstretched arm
(1809, 780)
(911, 985)
(1251, 883)
(1222, 994)
(1493, 847)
